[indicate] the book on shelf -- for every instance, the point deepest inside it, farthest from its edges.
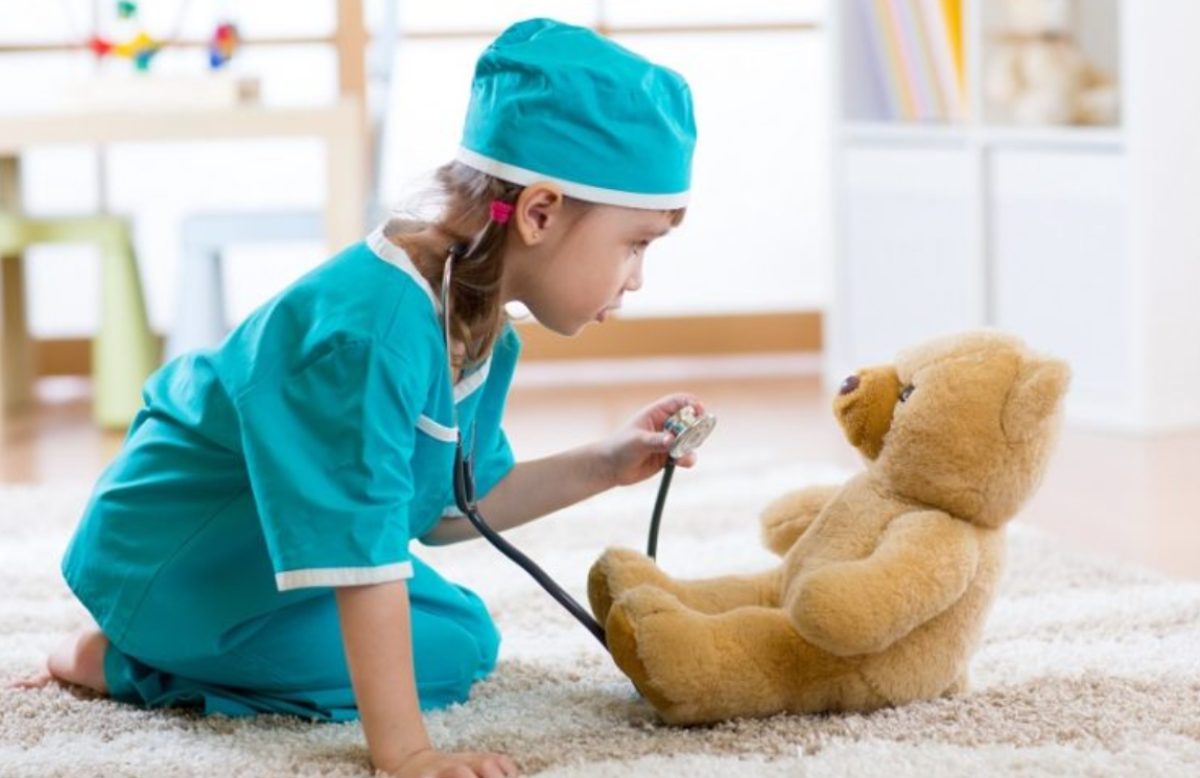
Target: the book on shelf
(916, 50)
(887, 87)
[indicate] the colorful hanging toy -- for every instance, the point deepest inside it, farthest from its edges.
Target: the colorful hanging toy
(225, 41)
(142, 47)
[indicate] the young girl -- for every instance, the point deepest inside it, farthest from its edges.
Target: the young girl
(248, 549)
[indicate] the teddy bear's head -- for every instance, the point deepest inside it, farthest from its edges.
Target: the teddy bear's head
(963, 423)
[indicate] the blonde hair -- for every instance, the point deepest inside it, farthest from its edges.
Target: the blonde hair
(465, 196)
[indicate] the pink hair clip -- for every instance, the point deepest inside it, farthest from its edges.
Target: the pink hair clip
(501, 211)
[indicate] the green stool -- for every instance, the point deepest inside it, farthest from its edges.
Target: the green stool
(124, 351)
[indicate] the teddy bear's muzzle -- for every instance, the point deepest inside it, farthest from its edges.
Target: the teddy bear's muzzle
(864, 406)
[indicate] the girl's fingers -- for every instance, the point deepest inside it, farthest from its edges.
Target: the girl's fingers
(677, 401)
(490, 768)
(658, 441)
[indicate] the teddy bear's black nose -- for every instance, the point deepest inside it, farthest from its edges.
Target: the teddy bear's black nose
(849, 385)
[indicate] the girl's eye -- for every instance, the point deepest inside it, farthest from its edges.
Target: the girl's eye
(906, 392)
(640, 247)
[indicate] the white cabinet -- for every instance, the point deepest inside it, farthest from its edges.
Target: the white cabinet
(908, 215)
(1060, 270)
(1084, 241)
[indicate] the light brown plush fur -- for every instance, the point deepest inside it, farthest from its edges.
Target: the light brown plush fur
(885, 581)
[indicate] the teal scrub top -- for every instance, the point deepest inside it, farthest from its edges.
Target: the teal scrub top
(303, 453)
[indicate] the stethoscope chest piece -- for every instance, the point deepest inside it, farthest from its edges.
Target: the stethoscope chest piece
(689, 430)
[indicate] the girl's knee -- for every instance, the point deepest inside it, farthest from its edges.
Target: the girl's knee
(485, 635)
(452, 656)
(480, 651)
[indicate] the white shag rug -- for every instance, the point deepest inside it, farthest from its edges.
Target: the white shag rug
(1087, 668)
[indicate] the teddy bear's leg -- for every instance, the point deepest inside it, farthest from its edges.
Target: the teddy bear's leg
(619, 570)
(697, 668)
(786, 518)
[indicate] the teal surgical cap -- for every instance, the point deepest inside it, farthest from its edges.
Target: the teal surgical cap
(555, 102)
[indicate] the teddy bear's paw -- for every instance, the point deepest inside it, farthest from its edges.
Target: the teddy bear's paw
(642, 602)
(622, 633)
(787, 517)
(615, 572)
(663, 647)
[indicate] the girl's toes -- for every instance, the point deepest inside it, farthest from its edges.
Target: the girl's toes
(34, 681)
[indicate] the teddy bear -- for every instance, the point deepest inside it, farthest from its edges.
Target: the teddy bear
(1037, 73)
(885, 580)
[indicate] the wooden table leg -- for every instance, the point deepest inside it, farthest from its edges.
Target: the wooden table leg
(16, 352)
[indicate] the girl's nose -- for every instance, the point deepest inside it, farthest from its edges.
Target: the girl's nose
(635, 279)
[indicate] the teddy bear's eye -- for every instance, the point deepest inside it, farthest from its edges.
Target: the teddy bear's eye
(905, 392)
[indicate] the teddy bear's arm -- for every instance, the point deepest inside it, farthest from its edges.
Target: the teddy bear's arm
(922, 565)
(786, 518)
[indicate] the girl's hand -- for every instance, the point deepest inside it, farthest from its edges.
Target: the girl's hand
(435, 764)
(639, 449)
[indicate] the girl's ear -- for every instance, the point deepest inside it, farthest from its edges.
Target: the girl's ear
(537, 208)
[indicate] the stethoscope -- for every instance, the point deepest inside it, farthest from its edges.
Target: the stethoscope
(689, 430)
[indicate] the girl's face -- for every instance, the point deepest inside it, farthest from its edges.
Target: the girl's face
(574, 266)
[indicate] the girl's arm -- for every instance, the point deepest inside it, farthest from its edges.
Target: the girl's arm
(533, 489)
(378, 644)
(530, 490)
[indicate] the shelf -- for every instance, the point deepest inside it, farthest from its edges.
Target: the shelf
(904, 132)
(1085, 138)
(1097, 138)
(1081, 239)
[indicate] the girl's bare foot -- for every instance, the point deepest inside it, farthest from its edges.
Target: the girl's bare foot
(79, 660)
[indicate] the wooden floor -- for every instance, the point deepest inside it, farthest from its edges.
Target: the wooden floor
(1136, 499)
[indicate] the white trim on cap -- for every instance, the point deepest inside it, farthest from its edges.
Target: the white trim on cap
(592, 194)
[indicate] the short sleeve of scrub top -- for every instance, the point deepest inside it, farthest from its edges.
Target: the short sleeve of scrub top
(328, 450)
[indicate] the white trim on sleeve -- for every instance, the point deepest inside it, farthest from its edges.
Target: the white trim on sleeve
(437, 431)
(592, 194)
(342, 576)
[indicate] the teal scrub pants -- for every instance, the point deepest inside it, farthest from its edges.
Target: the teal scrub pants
(293, 662)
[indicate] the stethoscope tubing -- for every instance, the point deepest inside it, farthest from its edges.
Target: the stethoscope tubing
(464, 497)
(464, 494)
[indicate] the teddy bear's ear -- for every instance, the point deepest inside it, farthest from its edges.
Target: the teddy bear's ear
(1035, 396)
